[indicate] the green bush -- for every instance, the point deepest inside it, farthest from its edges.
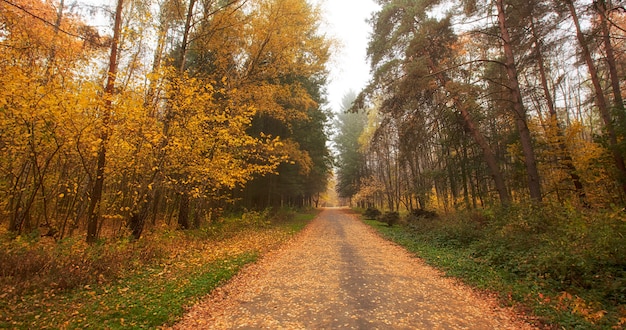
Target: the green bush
(418, 215)
(390, 218)
(371, 213)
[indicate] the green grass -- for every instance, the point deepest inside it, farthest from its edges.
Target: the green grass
(143, 302)
(300, 220)
(144, 294)
(454, 262)
(565, 267)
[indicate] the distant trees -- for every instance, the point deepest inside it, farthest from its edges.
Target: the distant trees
(490, 102)
(351, 156)
(169, 118)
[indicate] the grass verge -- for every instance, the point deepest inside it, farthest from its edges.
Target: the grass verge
(565, 268)
(144, 293)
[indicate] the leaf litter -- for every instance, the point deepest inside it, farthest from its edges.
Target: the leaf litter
(338, 273)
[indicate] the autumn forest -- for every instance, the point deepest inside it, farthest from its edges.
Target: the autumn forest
(496, 102)
(507, 117)
(491, 127)
(182, 111)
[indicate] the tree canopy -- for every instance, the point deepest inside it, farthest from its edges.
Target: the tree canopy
(174, 114)
(490, 102)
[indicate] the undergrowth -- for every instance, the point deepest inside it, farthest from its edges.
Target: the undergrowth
(567, 266)
(122, 283)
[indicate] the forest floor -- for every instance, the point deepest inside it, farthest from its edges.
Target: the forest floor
(121, 283)
(338, 273)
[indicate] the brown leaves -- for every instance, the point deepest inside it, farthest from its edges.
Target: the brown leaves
(339, 274)
(131, 281)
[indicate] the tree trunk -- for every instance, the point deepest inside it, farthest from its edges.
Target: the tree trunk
(184, 46)
(183, 212)
(600, 99)
(479, 138)
(618, 101)
(52, 55)
(532, 173)
(164, 25)
(466, 196)
(93, 212)
(554, 122)
(488, 156)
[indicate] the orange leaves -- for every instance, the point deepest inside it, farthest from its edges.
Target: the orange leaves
(286, 103)
(565, 301)
(28, 30)
(118, 282)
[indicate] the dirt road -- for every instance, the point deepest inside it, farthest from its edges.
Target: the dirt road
(339, 274)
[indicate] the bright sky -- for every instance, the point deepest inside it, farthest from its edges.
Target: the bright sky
(346, 21)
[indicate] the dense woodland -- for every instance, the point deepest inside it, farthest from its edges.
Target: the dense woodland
(172, 113)
(482, 103)
(506, 118)
(495, 133)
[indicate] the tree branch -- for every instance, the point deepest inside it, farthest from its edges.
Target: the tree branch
(25, 10)
(463, 64)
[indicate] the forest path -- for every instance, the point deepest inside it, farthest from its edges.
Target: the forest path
(338, 273)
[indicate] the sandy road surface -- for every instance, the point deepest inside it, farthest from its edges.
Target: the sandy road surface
(339, 274)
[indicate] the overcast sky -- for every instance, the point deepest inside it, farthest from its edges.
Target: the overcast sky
(346, 21)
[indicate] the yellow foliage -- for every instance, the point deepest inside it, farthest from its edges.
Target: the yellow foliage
(184, 132)
(373, 122)
(276, 44)
(590, 160)
(370, 188)
(210, 144)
